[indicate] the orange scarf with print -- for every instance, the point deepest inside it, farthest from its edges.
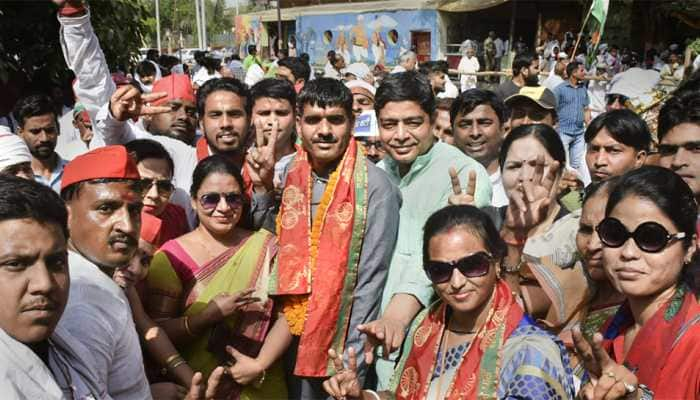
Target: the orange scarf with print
(316, 269)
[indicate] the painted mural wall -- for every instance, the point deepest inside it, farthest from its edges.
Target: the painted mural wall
(249, 30)
(372, 38)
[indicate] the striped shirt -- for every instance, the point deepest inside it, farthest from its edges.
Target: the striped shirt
(571, 101)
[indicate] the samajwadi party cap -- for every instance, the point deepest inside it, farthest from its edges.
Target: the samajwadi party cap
(177, 86)
(539, 94)
(103, 163)
(150, 228)
(13, 150)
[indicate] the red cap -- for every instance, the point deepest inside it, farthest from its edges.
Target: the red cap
(150, 228)
(177, 86)
(105, 162)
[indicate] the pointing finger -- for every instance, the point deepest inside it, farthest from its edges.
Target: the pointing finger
(151, 97)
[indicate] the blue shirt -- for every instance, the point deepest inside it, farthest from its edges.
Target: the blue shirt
(54, 182)
(571, 101)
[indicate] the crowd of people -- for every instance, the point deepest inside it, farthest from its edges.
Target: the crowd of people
(356, 235)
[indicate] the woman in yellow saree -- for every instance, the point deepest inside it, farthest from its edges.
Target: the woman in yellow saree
(216, 310)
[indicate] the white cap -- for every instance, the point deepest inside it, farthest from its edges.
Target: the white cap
(357, 83)
(360, 70)
(562, 55)
(13, 150)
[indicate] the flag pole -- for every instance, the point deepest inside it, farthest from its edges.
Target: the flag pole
(578, 40)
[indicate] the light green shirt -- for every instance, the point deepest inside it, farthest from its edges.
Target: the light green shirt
(425, 189)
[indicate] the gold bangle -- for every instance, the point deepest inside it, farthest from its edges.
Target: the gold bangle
(171, 358)
(187, 325)
(260, 381)
(177, 364)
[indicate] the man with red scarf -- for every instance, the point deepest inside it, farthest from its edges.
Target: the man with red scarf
(336, 227)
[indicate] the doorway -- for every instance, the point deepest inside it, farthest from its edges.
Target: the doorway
(420, 41)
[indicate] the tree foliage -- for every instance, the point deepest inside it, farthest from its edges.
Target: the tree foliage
(30, 48)
(180, 17)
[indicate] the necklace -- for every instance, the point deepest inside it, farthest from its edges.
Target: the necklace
(473, 331)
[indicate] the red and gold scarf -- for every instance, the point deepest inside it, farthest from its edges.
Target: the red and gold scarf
(316, 268)
(478, 372)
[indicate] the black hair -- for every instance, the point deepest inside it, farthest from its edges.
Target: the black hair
(667, 190)
(469, 217)
(27, 199)
(33, 106)
(624, 126)
(232, 85)
(430, 67)
(679, 109)
(275, 89)
(545, 134)
(152, 54)
(211, 64)
(523, 60)
(468, 100)
(142, 149)
(406, 86)
(214, 164)
(330, 55)
(146, 68)
(299, 68)
(571, 67)
(444, 104)
(325, 92)
(594, 188)
(443, 65)
(305, 57)
(252, 49)
(72, 191)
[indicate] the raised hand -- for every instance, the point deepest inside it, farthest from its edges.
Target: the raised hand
(458, 197)
(529, 206)
(344, 384)
(224, 304)
(569, 181)
(246, 369)
(384, 332)
(128, 103)
(608, 379)
(261, 159)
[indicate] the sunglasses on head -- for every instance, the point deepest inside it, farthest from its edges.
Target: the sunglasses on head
(164, 186)
(471, 266)
(209, 201)
(620, 98)
(650, 237)
(533, 113)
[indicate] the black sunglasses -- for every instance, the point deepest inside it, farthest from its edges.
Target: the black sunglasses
(471, 266)
(622, 99)
(209, 201)
(533, 113)
(650, 237)
(164, 186)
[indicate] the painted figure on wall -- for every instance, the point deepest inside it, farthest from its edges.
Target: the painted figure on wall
(378, 48)
(360, 43)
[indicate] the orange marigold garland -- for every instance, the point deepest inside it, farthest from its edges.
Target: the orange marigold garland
(294, 307)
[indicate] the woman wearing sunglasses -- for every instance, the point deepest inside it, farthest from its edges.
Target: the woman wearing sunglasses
(650, 347)
(476, 340)
(207, 288)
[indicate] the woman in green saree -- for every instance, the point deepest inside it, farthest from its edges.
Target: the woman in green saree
(215, 309)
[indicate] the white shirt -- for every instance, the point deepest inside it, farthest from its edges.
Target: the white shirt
(450, 92)
(99, 317)
(254, 75)
(500, 48)
(398, 69)
(499, 197)
(469, 65)
(202, 76)
(553, 81)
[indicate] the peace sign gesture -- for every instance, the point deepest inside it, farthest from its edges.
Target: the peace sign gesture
(128, 102)
(344, 384)
(609, 380)
(261, 158)
(458, 197)
(529, 205)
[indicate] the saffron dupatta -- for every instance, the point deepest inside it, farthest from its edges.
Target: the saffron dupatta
(478, 373)
(664, 353)
(316, 269)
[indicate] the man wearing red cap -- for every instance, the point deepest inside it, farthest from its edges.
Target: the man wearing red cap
(102, 193)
